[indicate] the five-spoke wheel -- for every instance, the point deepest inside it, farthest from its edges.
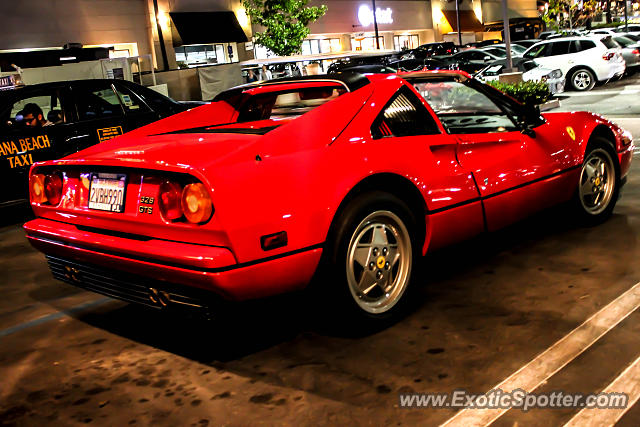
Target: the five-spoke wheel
(597, 190)
(379, 261)
(371, 255)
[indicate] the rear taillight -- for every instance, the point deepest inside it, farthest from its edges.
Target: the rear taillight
(635, 52)
(607, 56)
(46, 188)
(36, 188)
(196, 203)
(169, 198)
(53, 188)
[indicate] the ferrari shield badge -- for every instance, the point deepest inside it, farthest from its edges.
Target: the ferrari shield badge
(571, 132)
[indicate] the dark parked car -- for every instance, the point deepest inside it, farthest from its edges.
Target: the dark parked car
(472, 60)
(526, 43)
(357, 60)
(51, 120)
(431, 49)
(419, 64)
(367, 69)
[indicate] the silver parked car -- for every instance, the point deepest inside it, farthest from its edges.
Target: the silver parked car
(630, 52)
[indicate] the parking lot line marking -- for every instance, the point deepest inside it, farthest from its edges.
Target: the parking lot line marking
(53, 316)
(604, 93)
(627, 382)
(556, 357)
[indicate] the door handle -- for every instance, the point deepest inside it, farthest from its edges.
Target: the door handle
(73, 138)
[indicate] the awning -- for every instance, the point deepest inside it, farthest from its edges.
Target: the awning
(468, 20)
(207, 27)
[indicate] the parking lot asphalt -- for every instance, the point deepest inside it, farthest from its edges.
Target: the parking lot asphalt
(488, 312)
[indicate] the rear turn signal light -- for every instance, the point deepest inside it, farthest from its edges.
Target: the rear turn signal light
(53, 188)
(196, 203)
(608, 56)
(36, 188)
(169, 200)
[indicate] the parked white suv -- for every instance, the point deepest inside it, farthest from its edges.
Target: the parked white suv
(583, 60)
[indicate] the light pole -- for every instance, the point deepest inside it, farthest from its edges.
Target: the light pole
(375, 23)
(507, 36)
(458, 23)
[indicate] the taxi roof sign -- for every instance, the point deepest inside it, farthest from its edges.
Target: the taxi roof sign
(11, 81)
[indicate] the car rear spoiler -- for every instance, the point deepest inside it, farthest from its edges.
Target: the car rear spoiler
(351, 81)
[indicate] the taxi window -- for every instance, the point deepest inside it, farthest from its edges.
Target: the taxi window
(45, 109)
(97, 103)
(130, 101)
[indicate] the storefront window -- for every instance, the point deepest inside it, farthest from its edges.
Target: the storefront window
(368, 43)
(200, 54)
(313, 46)
(410, 41)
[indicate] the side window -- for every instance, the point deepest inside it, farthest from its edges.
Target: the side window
(463, 109)
(574, 47)
(43, 109)
(586, 44)
(130, 101)
(156, 101)
(97, 102)
(559, 48)
(404, 116)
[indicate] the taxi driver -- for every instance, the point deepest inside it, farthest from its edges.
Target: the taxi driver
(32, 116)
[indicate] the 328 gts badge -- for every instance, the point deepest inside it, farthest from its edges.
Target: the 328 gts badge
(146, 200)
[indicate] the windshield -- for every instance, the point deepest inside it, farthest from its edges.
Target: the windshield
(535, 51)
(609, 43)
(624, 41)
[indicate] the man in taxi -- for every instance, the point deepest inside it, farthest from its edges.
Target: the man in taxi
(32, 116)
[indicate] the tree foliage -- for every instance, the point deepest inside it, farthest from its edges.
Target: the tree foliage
(285, 23)
(563, 14)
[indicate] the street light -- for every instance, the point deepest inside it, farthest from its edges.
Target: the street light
(375, 23)
(507, 36)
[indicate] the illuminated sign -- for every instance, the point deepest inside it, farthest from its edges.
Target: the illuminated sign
(383, 16)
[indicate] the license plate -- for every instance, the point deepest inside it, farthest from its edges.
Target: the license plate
(106, 192)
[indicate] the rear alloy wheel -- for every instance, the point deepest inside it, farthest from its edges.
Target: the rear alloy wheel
(371, 255)
(379, 260)
(598, 185)
(582, 80)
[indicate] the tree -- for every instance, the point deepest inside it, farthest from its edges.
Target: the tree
(285, 23)
(575, 16)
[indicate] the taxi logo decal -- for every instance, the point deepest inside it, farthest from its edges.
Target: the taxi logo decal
(571, 132)
(106, 134)
(18, 152)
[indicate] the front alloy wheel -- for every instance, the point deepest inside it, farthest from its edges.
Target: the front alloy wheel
(378, 264)
(582, 80)
(597, 182)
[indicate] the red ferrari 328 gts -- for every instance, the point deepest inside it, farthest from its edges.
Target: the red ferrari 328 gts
(347, 175)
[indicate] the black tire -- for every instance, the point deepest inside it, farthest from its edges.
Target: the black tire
(596, 206)
(582, 79)
(370, 212)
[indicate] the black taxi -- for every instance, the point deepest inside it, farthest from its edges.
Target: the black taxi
(51, 120)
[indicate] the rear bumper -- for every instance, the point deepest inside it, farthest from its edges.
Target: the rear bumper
(209, 268)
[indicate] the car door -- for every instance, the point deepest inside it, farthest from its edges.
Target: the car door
(36, 125)
(512, 171)
(99, 113)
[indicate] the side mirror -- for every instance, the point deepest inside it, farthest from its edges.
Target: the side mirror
(530, 119)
